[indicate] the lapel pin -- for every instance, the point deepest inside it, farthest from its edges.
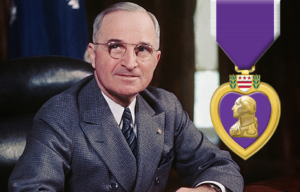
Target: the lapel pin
(159, 131)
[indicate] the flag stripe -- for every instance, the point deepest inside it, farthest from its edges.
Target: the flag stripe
(244, 87)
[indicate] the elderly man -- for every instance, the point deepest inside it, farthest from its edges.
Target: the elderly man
(111, 132)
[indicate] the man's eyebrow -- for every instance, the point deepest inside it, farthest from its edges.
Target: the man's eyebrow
(114, 40)
(120, 41)
(144, 43)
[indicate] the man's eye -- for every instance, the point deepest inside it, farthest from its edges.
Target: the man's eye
(142, 48)
(115, 46)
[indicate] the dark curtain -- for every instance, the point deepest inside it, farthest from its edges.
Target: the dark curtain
(280, 68)
(175, 71)
(4, 19)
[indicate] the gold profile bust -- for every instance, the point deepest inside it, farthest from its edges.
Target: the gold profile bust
(244, 110)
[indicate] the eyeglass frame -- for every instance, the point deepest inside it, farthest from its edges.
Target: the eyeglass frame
(124, 44)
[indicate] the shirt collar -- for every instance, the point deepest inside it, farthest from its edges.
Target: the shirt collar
(117, 110)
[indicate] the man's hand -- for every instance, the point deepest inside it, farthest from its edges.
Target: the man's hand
(202, 188)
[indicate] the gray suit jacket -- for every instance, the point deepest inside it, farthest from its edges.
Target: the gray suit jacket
(76, 145)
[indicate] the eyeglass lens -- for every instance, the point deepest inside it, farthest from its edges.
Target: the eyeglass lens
(117, 50)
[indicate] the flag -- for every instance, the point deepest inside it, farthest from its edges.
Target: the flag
(47, 27)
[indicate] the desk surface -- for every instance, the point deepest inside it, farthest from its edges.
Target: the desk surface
(281, 184)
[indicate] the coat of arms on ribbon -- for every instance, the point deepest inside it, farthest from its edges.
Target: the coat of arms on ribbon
(245, 111)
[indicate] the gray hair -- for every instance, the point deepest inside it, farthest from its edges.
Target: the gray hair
(123, 6)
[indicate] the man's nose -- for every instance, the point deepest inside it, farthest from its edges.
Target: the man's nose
(129, 59)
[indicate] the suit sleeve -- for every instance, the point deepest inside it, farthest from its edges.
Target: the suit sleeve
(45, 161)
(198, 160)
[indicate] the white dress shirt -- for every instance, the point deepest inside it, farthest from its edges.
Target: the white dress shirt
(118, 110)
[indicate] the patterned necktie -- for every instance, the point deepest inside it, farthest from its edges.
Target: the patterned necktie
(128, 132)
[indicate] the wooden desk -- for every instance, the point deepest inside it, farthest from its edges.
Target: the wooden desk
(281, 184)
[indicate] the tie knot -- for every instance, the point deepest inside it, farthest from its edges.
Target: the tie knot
(127, 114)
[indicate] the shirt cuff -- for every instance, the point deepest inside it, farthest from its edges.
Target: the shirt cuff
(222, 187)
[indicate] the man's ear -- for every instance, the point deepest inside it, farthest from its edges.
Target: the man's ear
(157, 58)
(91, 49)
(158, 55)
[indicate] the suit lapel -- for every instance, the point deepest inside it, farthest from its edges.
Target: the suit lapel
(105, 135)
(150, 142)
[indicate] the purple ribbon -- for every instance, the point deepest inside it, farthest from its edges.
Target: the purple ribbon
(245, 29)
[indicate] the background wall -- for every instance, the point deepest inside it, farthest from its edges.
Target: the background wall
(279, 67)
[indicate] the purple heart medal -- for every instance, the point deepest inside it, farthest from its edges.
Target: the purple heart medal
(245, 111)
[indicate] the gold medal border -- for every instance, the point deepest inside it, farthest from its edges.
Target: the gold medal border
(266, 135)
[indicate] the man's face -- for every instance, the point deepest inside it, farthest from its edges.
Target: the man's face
(122, 79)
(237, 109)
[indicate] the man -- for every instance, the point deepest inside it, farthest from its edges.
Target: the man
(111, 132)
(244, 110)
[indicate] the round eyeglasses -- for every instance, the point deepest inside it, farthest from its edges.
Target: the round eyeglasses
(117, 50)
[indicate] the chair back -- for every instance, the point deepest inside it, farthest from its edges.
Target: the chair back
(25, 85)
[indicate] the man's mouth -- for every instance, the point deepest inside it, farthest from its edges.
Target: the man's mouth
(127, 75)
